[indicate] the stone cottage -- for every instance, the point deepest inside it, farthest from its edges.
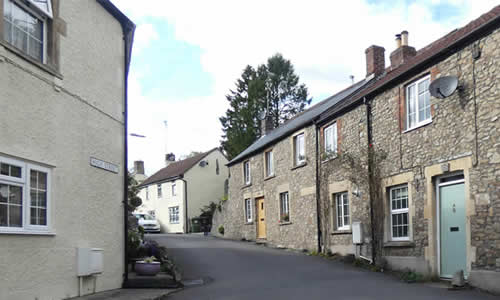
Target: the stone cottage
(419, 169)
(63, 166)
(272, 184)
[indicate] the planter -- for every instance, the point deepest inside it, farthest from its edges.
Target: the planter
(143, 268)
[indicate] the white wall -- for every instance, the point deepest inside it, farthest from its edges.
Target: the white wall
(168, 200)
(62, 128)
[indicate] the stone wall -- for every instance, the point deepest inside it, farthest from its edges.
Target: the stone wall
(299, 182)
(449, 142)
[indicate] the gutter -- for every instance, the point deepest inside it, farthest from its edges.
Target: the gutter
(185, 206)
(318, 182)
(369, 134)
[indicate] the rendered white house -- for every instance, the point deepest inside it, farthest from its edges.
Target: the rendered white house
(63, 79)
(178, 192)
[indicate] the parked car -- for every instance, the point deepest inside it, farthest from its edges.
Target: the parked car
(148, 222)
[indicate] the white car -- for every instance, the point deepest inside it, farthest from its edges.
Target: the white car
(148, 222)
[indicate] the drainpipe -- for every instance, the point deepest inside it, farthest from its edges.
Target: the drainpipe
(318, 181)
(185, 206)
(369, 134)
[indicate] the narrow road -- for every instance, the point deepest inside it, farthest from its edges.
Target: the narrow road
(242, 270)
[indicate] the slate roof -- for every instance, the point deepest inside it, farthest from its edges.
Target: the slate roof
(175, 169)
(299, 121)
(437, 48)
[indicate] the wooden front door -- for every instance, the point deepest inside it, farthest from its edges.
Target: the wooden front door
(261, 218)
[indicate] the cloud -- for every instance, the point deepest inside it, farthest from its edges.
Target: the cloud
(325, 40)
(145, 34)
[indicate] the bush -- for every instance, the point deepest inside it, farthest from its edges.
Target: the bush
(221, 229)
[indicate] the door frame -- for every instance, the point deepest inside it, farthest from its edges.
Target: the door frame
(257, 218)
(438, 184)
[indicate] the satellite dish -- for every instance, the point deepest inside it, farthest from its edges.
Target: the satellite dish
(444, 86)
(203, 163)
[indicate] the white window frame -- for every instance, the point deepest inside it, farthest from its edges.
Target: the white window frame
(47, 12)
(330, 134)
(247, 175)
(147, 193)
(339, 213)
(173, 215)
(42, 16)
(25, 184)
(399, 211)
(248, 210)
(269, 158)
(284, 206)
(299, 144)
(174, 189)
(159, 191)
(416, 105)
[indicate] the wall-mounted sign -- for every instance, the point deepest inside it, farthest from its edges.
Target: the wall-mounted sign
(101, 164)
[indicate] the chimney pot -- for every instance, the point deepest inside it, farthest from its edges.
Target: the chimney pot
(404, 38)
(266, 125)
(139, 167)
(375, 60)
(169, 159)
(398, 41)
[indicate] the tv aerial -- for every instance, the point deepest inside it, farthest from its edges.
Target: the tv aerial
(444, 87)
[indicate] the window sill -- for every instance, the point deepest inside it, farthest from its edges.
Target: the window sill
(299, 166)
(284, 223)
(418, 126)
(22, 55)
(339, 232)
(25, 232)
(399, 244)
(246, 185)
(329, 159)
(269, 177)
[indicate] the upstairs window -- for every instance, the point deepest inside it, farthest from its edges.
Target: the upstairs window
(159, 190)
(246, 172)
(299, 149)
(418, 103)
(269, 163)
(147, 193)
(26, 28)
(330, 134)
(174, 189)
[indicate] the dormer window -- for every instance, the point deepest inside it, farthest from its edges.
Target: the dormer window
(25, 26)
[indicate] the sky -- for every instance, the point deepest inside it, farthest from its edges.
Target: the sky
(187, 55)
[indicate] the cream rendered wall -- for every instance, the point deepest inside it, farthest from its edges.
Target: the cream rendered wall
(204, 185)
(61, 124)
(167, 201)
(148, 204)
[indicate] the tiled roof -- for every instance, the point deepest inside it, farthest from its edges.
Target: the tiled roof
(424, 55)
(175, 169)
(299, 121)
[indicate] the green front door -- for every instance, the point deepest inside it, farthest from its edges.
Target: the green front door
(452, 229)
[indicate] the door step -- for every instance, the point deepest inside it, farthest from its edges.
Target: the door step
(261, 241)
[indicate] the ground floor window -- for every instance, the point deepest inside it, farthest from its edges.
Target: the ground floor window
(342, 211)
(284, 207)
(24, 196)
(248, 210)
(173, 214)
(398, 200)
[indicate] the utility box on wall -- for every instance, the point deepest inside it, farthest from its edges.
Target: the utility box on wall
(357, 233)
(90, 261)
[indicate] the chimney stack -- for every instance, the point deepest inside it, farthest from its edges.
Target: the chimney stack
(169, 159)
(403, 52)
(266, 125)
(139, 167)
(375, 60)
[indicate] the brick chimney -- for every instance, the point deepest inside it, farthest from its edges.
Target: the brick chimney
(139, 167)
(375, 60)
(403, 52)
(266, 125)
(169, 159)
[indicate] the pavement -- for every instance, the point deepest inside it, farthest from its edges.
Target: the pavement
(221, 269)
(129, 294)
